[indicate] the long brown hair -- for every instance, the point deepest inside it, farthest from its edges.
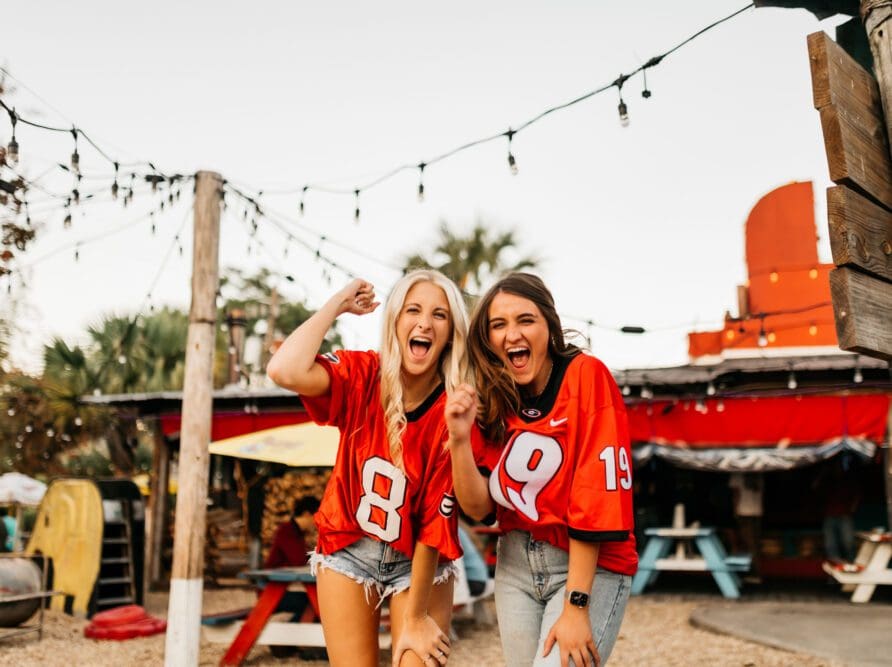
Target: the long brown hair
(499, 394)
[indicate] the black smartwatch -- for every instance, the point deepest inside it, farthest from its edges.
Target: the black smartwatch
(578, 599)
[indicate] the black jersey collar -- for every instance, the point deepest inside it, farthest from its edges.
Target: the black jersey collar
(536, 407)
(418, 412)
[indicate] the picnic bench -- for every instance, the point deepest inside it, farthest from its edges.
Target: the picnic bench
(870, 569)
(712, 558)
(243, 628)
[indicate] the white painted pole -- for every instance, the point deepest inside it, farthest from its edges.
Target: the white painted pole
(184, 606)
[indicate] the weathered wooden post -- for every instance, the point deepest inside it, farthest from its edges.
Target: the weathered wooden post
(856, 119)
(877, 17)
(184, 607)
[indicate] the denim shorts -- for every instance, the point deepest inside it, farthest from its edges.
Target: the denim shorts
(531, 581)
(376, 565)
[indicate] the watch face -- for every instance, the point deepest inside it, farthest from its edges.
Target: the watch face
(578, 599)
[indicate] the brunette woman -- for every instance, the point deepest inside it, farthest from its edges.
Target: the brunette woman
(556, 469)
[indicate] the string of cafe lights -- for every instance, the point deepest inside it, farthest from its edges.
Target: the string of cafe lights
(155, 177)
(255, 211)
(507, 135)
(150, 216)
(13, 405)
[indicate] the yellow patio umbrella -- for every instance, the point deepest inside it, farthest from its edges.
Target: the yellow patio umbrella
(306, 445)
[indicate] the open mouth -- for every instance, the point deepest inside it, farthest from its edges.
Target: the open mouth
(419, 347)
(519, 356)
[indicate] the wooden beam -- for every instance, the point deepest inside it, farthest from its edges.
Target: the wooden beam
(156, 516)
(852, 120)
(187, 572)
(861, 306)
(860, 233)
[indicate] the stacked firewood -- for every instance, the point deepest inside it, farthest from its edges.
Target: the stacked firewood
(225, 552)
(279, 497)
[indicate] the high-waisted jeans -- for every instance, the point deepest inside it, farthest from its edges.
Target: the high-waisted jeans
(531, 581)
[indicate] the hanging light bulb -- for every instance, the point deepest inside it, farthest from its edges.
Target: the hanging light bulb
(857, 378)
(627, 390)
(122, 359)
(75, 158)
(12, 150)
(791, 381)
(356, 200)
(645, 93)
(66, 222)
(512, 163)
(114, 187)
(303, 196)
(78, 421)
(11, 412)
(623, 113)
(646, 392)
(710, 388)
(77, 253)
(763, 339)
(29, 428)
(421, 167)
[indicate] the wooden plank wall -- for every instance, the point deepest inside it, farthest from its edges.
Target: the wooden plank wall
(860, 205)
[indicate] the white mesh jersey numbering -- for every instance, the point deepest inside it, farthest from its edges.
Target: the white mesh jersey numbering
(532, 460)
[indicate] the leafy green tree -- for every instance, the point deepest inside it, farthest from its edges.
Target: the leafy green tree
(473, 259)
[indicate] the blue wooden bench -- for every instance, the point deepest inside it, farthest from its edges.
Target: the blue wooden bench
(712, 558)
(226, 617)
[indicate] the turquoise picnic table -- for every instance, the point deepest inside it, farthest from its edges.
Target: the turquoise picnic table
(710, 557)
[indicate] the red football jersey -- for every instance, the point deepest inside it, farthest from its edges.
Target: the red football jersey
(367, 495)
(566, 470)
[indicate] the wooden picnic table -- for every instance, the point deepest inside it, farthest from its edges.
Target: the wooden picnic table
(870, 569)
(712, 558)
(257, 628)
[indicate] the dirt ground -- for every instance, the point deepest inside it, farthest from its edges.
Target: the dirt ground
(655, 631)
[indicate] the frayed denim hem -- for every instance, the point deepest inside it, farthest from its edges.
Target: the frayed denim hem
(383, 591)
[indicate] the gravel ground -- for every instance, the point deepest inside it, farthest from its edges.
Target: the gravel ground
(655, 632)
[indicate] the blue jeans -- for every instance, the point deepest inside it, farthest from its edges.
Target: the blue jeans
(839, 538)
(531, 579)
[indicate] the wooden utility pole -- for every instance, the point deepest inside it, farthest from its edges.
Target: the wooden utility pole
(877, 17)
(184, 607)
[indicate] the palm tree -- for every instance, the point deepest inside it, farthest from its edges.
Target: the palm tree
(471, 260)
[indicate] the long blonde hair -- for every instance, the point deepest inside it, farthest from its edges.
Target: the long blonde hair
(453, 364)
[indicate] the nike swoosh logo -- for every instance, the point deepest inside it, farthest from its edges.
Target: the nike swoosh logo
(557, 422)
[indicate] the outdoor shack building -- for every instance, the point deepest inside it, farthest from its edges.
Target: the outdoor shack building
(770, 393)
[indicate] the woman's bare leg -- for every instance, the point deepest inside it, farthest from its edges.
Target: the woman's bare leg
(349, 621)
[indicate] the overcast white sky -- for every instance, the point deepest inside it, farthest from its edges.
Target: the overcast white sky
(637, 225)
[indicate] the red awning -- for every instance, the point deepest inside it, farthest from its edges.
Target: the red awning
(781, 421)
(229, 424)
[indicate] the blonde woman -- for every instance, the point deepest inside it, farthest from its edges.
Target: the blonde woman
(387, 523)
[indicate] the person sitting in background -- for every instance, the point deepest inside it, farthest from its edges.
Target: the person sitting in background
(7, 531)
(289, 547)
